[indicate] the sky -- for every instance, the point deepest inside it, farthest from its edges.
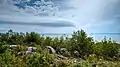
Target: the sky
(61, 16)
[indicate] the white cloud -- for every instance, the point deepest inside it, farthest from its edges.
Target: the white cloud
(84, 14)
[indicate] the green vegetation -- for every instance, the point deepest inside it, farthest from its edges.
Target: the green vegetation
(89, 53)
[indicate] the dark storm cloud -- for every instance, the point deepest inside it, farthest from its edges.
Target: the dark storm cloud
(44, 24)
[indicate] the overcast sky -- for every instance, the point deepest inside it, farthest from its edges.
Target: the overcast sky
(61, 16)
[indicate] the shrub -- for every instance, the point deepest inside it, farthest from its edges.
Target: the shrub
(40, 60)
(80, 42)
(105, 48)
(7, 59)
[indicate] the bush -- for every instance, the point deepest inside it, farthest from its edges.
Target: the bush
(7, 59)
(106, 48)
(3, 48)
(61, 63)
(32, 38)
(40, 60)
(80, 42)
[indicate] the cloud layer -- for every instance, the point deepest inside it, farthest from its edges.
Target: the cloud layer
(58, 23)
(98, 16)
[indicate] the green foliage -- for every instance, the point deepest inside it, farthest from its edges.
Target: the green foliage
(6, 59)
(94, 54)
(63, 64)
(80, 42)
(34, 60)
(3, 48)
(106, 48)
(40, 60)
(32, 38)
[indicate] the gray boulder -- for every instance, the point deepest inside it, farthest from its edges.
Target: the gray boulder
(61, 57)
(25, 52)
(63, 50)
(50, 49)
(76, 54)
(21, 53)
(28, 52)
(31, 49)
(13, 46)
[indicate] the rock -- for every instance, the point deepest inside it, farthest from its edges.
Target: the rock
(76, 54)
(32, 49)
(21, 53)
(25, 52)
(51, 50)
(28, 52)
(61, 57)
(63, 50)
(13, 46)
